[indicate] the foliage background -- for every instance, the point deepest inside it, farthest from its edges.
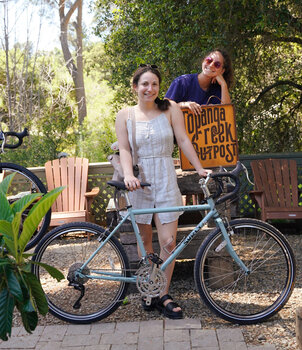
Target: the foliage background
(263, 37)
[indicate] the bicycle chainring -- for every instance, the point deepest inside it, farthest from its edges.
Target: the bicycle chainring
(149, 282)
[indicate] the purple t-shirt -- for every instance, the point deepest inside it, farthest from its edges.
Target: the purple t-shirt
(186, 88)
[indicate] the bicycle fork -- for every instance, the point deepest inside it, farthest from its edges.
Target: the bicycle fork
(227, 231)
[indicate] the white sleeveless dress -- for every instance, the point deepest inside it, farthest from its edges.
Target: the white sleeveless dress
(154, 141)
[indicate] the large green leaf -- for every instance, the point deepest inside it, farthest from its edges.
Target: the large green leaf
(9, 243)
(55, 273)
(28, 255)
(16, 229)
(35, 216)
(6, 212)
(4, 262)
(13, 284)
(6, 313)
(47, 197)
(28, 306)
(37, 293)
(21, 204)
(29, 316)
(5, 183)
(6, 229)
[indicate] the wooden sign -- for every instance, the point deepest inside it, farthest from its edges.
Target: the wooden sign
(213, 136)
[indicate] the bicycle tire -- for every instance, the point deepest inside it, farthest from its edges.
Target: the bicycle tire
(71, 244)
(26, 182)
(235, 296)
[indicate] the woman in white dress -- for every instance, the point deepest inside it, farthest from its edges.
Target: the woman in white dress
(157, 122)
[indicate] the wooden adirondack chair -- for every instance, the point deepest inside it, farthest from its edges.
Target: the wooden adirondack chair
(276, 188)
(74, 203)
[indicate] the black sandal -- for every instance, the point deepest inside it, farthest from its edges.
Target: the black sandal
(168, 309)
(150, 307)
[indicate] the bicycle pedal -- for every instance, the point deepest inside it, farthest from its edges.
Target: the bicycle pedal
(155, 259)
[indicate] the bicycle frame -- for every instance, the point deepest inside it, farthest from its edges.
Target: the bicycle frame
(131, 213)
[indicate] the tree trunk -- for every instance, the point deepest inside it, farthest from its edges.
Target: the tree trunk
(8, 81)
(75, 70)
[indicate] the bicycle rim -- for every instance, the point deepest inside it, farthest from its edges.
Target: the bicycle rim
(66, 248)
(234, 295)
(25, 182)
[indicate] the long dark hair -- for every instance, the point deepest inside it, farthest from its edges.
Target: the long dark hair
(163, 105)
(227, 65)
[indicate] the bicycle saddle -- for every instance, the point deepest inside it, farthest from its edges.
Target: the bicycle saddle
(121, 186)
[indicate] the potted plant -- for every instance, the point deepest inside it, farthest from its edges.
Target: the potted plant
(19, 287)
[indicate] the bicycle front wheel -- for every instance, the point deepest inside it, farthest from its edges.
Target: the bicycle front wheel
(67, 248)
(25, 182)
(246, 298)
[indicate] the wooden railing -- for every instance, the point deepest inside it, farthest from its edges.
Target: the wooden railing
(100, 173)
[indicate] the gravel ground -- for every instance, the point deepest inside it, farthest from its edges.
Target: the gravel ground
(279, 330)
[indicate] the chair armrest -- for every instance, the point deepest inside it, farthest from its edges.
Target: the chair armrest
(89, 197)
(94, 192)
(256, 193)
(257, 197)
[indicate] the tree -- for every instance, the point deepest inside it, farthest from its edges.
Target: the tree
(45, 105)
(75, 70)
(263, 36)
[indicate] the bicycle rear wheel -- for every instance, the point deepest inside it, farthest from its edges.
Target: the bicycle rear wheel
(25, 182)
(227, 290)
(66, 248)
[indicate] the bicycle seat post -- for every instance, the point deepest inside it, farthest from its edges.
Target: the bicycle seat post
(126, 196)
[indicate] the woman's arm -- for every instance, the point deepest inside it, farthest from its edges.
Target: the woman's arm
(193, 106)
(225, 96)
(125, 151)
(183, 141)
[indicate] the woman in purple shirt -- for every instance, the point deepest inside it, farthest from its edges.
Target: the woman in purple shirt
(193, 90)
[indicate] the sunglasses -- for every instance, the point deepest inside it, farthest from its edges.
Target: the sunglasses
(154, 66)
(209, 60)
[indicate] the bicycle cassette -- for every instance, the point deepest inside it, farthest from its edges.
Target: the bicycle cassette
(71, 277)
(150, 281)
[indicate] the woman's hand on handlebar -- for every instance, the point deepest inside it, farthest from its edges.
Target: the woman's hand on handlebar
(204, 172)
(132, 183)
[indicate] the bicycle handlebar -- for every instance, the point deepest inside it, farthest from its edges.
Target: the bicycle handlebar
(18, 135)
(234, 174)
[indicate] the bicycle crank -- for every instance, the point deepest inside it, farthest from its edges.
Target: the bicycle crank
(150, 281)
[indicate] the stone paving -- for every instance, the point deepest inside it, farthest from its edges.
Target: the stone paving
(185, 334)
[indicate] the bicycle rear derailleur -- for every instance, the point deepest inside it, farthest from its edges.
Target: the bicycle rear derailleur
(77, 282)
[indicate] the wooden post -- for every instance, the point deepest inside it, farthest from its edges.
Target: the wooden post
(299, 326)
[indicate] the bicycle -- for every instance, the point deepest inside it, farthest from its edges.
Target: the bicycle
(244, 270)
(24, 182)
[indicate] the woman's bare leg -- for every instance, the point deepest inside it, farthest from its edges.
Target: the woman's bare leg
(167, 240)
(146, 234)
